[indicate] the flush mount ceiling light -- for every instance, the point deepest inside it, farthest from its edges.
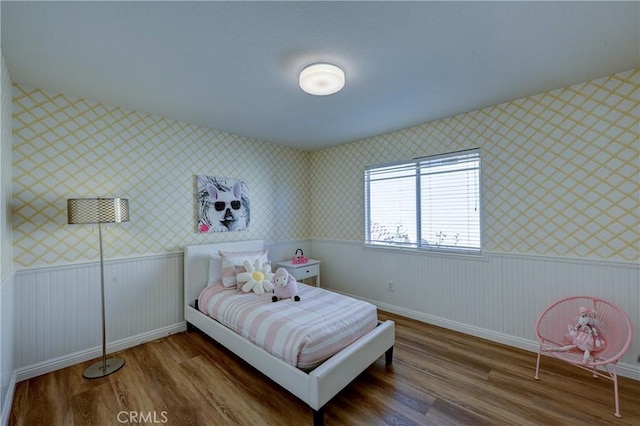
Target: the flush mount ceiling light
(321, 79)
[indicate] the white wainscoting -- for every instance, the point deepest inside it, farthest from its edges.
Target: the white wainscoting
(7, 367)
(497, 297)
(57, 314)
(57, 309)
(284, 250)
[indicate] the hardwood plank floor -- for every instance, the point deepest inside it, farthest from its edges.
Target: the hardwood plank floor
(438, 377)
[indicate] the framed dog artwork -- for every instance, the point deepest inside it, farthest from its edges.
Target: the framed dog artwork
(223, 204)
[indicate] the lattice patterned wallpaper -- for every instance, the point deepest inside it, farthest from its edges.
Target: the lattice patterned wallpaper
(560, 171)
(560, 175)
(6, 261)
(66, 147)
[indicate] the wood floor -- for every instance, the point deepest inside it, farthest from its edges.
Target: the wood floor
(438, 377)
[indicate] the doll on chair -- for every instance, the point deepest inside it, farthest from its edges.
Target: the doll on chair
(584, 335)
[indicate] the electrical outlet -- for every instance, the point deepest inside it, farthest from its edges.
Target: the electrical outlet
(392, 286)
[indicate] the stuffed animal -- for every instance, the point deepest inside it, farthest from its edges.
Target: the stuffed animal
(284, 286)
(584, 335)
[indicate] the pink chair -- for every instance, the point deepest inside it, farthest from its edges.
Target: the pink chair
(612, 325)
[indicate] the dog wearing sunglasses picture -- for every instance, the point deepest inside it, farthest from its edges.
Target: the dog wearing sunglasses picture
(223, 205)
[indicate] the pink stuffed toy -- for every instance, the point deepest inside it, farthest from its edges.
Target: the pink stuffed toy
(284, 286)
(584, 335)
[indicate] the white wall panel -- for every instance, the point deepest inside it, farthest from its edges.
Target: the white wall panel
(6, 346)
(58, 308)
(283, 250)
(499, 296)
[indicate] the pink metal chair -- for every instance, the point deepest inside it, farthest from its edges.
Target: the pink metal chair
(612, 324)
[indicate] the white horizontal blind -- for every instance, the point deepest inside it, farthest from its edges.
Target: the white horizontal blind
(429, 203)
(450, 201)
(392, 204)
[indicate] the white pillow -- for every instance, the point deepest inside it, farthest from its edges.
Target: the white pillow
(215, 269)
(233, 262)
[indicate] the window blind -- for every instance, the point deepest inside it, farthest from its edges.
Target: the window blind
(429, 202)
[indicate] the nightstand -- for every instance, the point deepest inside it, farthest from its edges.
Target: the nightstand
(302, 270)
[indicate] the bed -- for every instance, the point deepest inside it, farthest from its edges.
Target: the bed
(314, 387)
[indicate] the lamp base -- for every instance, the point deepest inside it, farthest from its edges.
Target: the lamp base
(100, 369)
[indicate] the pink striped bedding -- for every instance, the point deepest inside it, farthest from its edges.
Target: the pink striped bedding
(304, 333)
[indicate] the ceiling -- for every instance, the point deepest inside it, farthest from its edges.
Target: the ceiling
(233, 66)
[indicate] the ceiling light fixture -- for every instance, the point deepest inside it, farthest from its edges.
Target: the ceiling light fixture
(321, 79)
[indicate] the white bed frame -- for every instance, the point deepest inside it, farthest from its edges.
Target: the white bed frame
(315, 388)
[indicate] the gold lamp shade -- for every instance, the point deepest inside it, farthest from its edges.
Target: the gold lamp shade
(97, 210)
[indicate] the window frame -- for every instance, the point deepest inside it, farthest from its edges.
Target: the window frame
(418, 246)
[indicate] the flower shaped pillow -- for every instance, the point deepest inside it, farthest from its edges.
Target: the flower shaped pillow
(256, 278)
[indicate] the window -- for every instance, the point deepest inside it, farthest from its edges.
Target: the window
(428, 203)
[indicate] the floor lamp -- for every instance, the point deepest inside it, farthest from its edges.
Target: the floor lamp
(99, 210)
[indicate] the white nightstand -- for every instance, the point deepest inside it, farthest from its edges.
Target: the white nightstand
(302, 270)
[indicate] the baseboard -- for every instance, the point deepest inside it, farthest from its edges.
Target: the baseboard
(58, 363)
(623, 369)
(8, 400)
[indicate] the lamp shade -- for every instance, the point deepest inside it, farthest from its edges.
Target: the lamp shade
(97, 210)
